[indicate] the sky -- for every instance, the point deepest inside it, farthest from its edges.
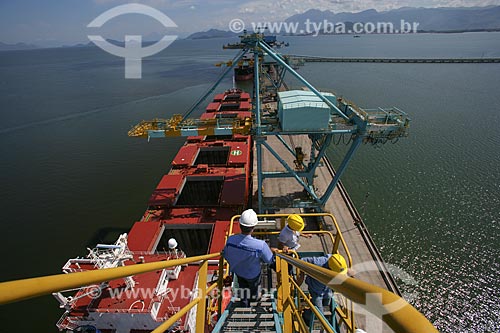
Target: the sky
(59, 22)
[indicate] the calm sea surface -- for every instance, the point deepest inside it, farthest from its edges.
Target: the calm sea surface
(70, 177)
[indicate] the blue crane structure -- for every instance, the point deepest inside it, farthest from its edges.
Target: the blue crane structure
(343, 118)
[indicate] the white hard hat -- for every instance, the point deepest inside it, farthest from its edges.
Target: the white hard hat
(172, 243)
(249, 218)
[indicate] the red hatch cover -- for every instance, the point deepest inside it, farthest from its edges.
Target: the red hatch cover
(207, 115)
(244, 114)
(143, 236)
(185, 157)
(238, 154)
(244, 95)
(212, 107)
(162, 198)
(169, 182)
(219, 235)
(219, 97)
(233, 190)
(245, 106)
(165, 192)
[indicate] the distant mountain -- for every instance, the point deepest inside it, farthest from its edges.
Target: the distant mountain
(23, 46)
(429, 19)
(212, 33)
(18, 46)
(78, 45)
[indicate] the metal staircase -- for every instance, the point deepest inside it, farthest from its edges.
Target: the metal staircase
(260, 317)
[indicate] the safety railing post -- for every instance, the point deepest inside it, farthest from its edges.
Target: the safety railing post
(284, 294)
(350, 307)
(315, 312)
(201, 310)
(220, 285)
(280, 300)
(336, 243)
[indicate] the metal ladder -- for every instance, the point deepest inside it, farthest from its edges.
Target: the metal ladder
(260, 317)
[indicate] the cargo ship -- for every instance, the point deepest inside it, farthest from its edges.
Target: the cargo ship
(244, 70)
(264, 149)
(208, 182)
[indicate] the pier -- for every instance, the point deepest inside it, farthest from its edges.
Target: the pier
(403, 60)
(281, 191)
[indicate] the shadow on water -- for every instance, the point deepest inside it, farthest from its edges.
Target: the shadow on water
(106, 235)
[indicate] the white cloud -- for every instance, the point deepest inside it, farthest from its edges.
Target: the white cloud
(197, 15)
(286, 8)
(158, 4)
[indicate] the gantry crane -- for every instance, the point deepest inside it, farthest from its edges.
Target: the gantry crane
(342, 119)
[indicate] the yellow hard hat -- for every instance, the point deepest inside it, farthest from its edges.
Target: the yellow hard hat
(337, 264)
(295, 222)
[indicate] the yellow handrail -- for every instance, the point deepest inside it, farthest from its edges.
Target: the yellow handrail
(338, 237)
(297, 315)
(18, 290)
(394, 310)
(309, 232)
(347, 315)
(286, 287)
(170, 321)
(312, 307)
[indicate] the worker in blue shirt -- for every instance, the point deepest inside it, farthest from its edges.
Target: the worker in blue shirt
(244, 255)
(321, 295)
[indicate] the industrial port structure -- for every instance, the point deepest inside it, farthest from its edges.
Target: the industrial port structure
(266, 151)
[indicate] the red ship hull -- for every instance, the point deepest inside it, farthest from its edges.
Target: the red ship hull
(209, 181)
(243, 74)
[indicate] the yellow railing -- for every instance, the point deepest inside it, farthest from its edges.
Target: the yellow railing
(336, 240)
(292, 318)
(19, 290)
(201, 311)
(398, 314)
(346, 313)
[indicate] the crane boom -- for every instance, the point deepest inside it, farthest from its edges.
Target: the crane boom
(175, 126)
